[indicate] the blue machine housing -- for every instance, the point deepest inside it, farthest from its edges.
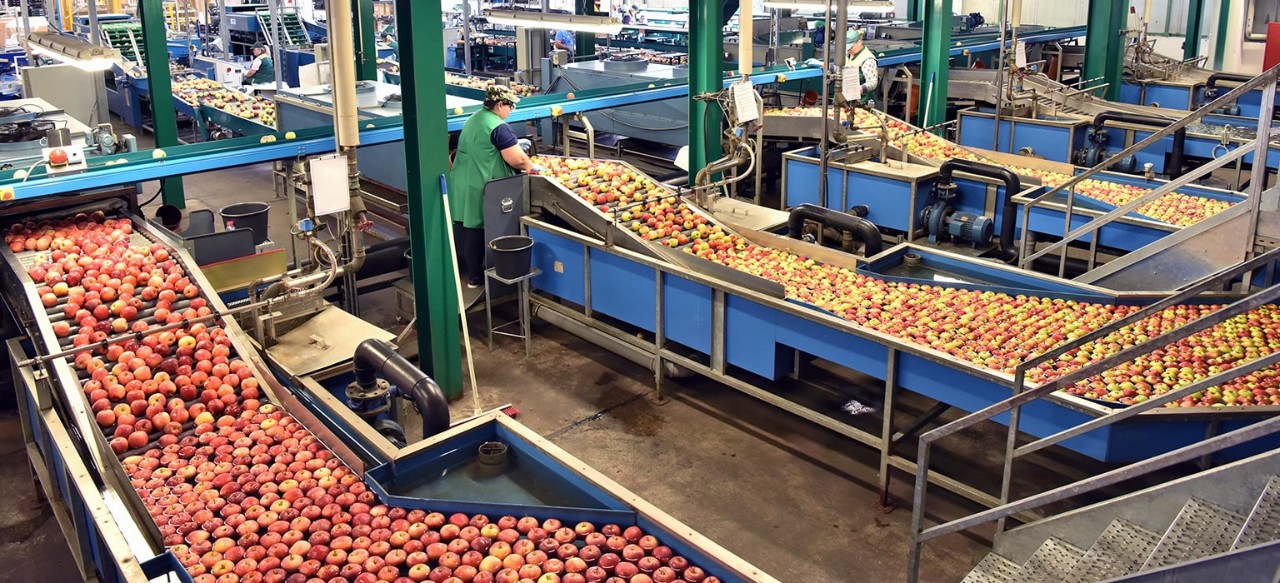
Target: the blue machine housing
(1185, 95)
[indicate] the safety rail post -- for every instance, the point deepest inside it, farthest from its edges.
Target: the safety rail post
(1021, 396)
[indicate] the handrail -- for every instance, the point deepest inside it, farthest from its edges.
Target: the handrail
(1166, 188)
(1267, 77)
(1024, 397)
(1014, 403)
(1177, 456)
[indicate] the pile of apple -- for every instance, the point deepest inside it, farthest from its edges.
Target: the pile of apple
(192, 89)
(992, 330)
(481, 83)
(1174, 208)
(241, 491)
(241, 105)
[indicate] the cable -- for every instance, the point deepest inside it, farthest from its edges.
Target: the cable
(154, 197)
(32, 169)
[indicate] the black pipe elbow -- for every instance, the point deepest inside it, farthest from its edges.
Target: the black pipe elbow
(1211, 84)
(1009, 210)
(861, 229)
(1176, 156)
(374, 358)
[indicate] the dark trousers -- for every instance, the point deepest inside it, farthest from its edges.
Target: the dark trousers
(470, 245)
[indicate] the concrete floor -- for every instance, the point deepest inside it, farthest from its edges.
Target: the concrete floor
(785, 495)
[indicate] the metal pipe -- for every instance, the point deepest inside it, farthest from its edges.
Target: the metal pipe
(608, 342)
(374, 358)
(861, 229)
(342, 63)
(995, 135)
(823, 146)
(1008, 213)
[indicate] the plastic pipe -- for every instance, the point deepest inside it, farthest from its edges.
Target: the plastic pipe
(860, 228)
(375, 358)
(342, 63)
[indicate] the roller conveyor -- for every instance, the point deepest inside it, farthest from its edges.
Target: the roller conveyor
(768, 331)
(166, 536)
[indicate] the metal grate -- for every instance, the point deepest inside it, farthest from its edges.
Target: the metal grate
(993, 569)
(1051, 562)
(1119, 550)
(1200, 530)
(1263, 524)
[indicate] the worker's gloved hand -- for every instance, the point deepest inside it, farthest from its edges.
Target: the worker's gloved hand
(813, 62)
(525, 145)
(537, 169)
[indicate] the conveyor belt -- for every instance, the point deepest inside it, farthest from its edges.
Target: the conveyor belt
(199, 413)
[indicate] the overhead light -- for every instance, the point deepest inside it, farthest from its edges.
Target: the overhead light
(549, 21)
(71, 51)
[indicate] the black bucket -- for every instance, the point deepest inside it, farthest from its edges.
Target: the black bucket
(247, 215)
(511, 256)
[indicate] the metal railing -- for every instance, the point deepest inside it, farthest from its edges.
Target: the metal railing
(1022, 396)
(1259, 147)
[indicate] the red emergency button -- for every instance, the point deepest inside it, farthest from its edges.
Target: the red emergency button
(57, 157)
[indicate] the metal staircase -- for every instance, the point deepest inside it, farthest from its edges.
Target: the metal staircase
(285, 29)
(1200, 530)
(1191, 253)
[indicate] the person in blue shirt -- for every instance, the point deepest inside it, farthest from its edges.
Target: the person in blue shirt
(565, 40)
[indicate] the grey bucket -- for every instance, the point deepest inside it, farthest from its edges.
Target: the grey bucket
(512, 256)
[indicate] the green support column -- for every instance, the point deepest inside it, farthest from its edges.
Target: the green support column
(367, 42)
(1220, 43)
(935, 62)
(425, 136)
(706, 58)
(164, 120)
(1103, 45)
(1195, 21)
(914, 12)
(586, 41)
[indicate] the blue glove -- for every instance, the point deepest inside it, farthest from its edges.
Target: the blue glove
(538, 169)
(813, 62)
(524, 144)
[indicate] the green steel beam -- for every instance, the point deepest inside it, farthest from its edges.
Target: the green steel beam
(914, 12)
(1104, 46)
(586, 41)
(1220, 43)
(425, 130)
(367, 41)
(706, 75)
(164, 119)
(1195, 21)
(935, 62)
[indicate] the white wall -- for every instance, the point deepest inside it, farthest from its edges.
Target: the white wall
(1240, 56)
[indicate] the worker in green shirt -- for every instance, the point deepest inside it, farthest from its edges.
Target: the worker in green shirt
(488, 149)
(262, 69)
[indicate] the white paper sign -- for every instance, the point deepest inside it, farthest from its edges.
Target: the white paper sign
(329, 185)
(744, 101)
(850, 88)
(1020, 55)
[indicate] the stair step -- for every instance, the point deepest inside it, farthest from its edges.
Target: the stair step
(1263, 524)
(1051, 562)
(1119, 550)
(1201, 529)
(993, 568)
